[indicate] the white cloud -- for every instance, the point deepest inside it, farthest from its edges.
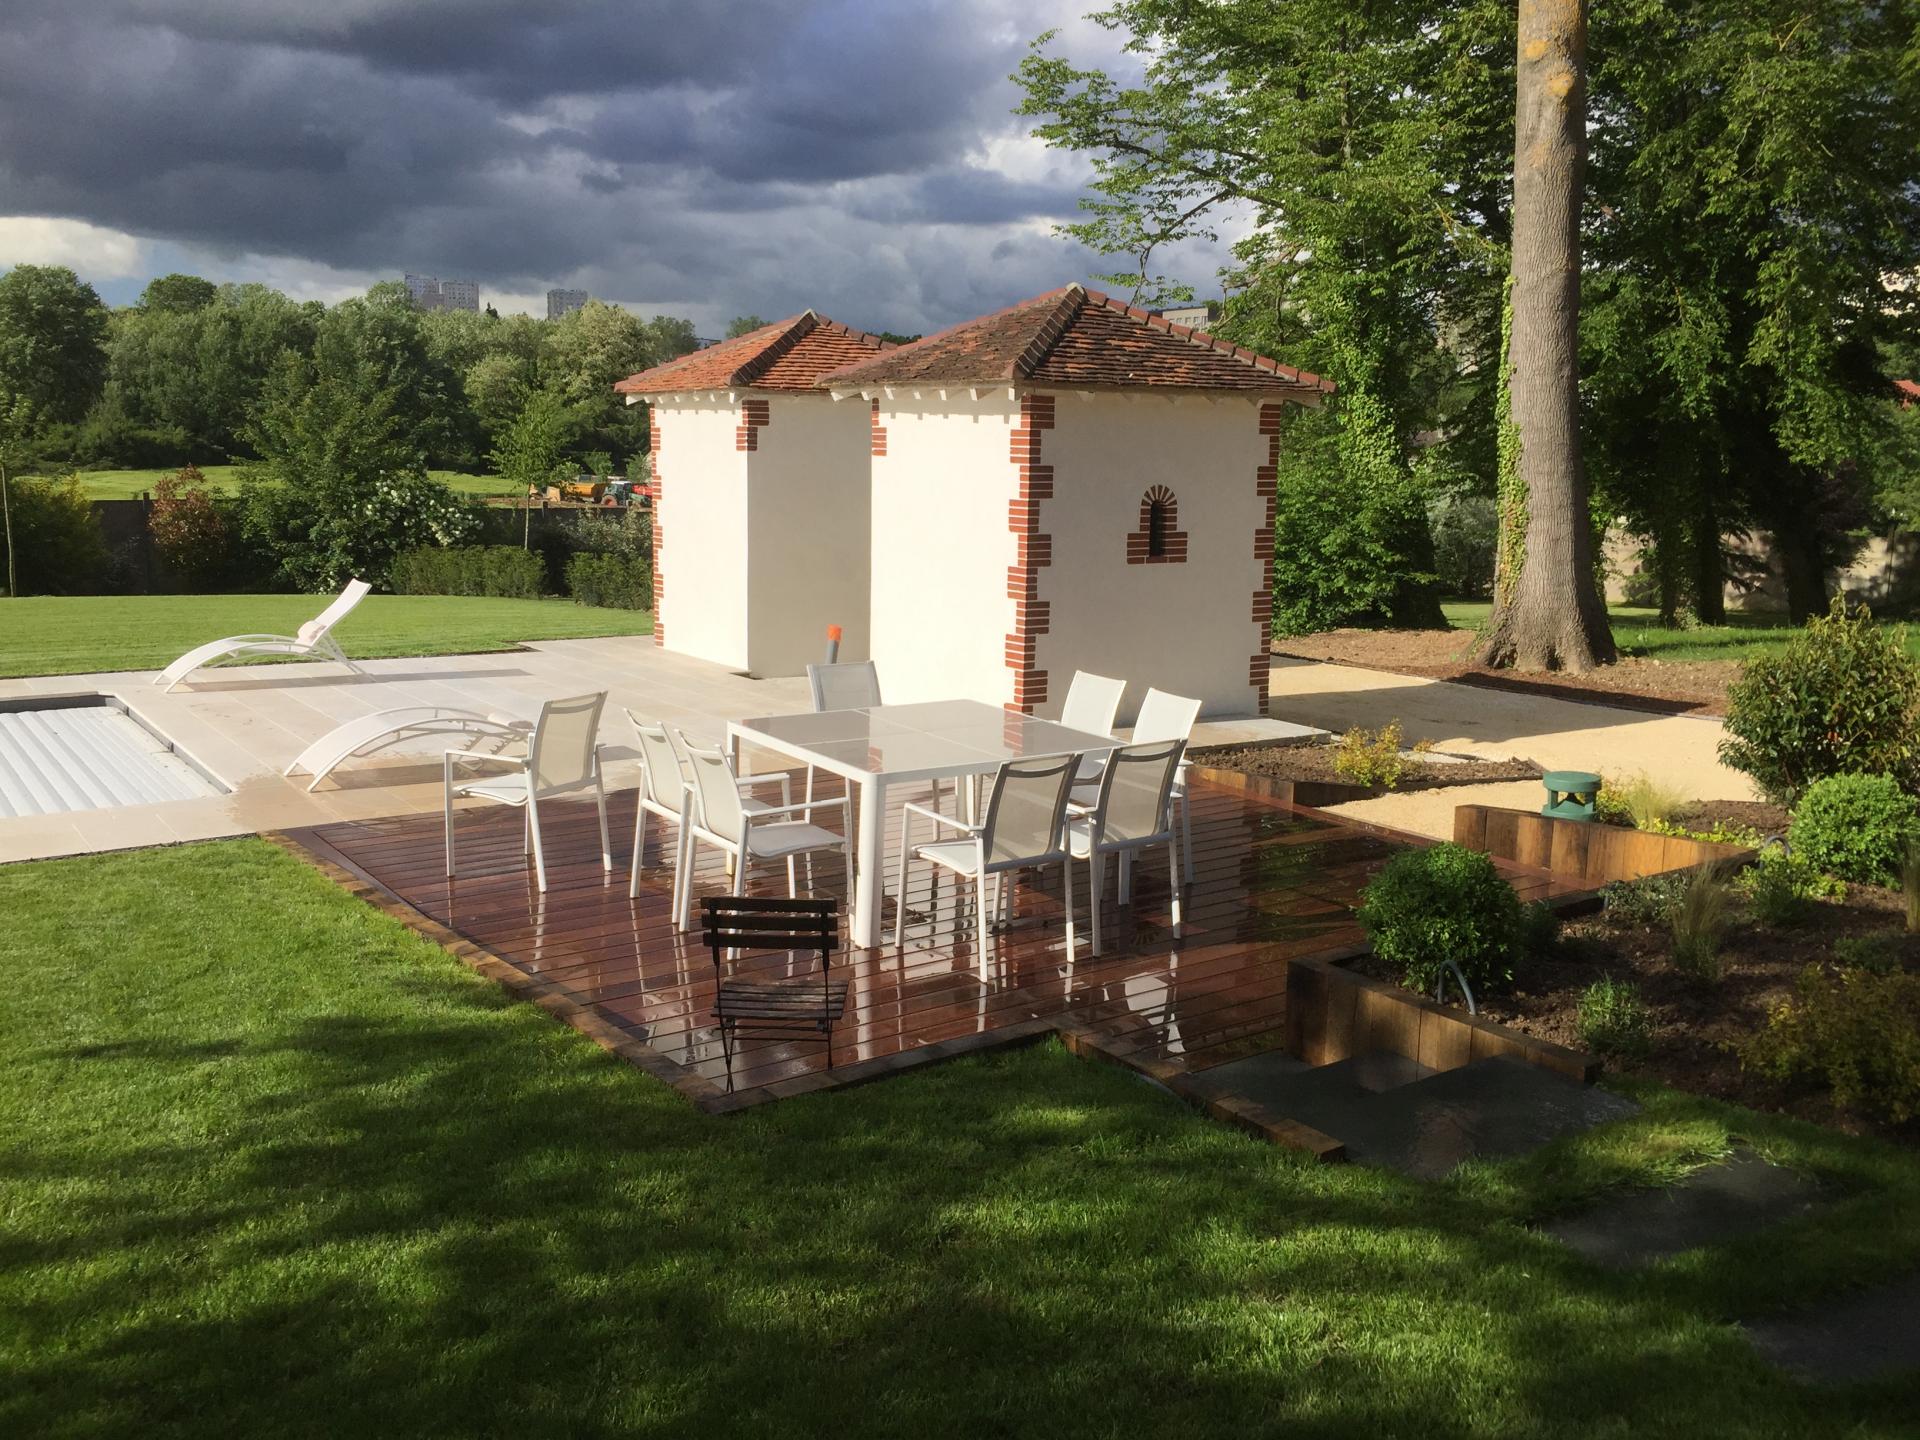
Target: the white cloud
(92, 251)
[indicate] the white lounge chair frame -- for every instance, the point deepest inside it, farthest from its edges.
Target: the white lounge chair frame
(314, 641)
(367, 733)
(562, 757)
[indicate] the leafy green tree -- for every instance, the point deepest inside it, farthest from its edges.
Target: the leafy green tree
(744, 325)
(189, 378)
(344, 436)
(584, 353)
(527, 454)
(1755, 188)
(1363, 140)
(181, 294)
(53, 331)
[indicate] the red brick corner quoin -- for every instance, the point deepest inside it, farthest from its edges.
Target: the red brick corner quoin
(1031, 614)
(653, 494)
(1267, 487)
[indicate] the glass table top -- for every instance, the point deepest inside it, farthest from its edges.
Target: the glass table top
(926, 740)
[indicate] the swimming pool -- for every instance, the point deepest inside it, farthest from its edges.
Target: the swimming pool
(62, 753)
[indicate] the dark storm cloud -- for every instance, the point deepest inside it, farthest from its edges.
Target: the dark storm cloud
(762, 156)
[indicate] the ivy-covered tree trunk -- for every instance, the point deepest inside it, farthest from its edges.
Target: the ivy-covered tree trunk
(1548, 613)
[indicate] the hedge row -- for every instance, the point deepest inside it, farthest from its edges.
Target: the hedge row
(505, 571)
(619, 582)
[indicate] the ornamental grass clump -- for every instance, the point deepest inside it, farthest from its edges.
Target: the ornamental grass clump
(1443, 903)
(1699, 925)
(1843, 697)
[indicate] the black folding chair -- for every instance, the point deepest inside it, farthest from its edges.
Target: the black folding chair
(773, 1009)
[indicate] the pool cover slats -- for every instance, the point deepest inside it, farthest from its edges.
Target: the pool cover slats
(88, 757)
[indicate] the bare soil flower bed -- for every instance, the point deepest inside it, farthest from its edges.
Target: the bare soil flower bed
(1635, 682)
(1315, 763)
(1696, 1027)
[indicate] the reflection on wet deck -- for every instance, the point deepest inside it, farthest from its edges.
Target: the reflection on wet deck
(1270, 883)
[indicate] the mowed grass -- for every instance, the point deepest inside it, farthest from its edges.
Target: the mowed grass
(1638, 631)
(128, 484)
(75, 634)
(273, 1166)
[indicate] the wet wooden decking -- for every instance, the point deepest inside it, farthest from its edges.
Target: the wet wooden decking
(1271, 882)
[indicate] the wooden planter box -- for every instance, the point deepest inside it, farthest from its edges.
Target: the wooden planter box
(1334, 1014)
(1584, 850)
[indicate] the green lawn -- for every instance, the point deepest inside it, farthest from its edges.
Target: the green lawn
(272, 1166)
(126, 484)
(1637, 631)
(66, 635)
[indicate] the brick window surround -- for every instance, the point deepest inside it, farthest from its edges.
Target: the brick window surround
(1157, 542)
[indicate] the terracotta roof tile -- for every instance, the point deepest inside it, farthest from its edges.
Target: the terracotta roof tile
(1077, 338)
(787, 355)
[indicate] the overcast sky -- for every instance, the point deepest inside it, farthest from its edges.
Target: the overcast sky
(703, 158)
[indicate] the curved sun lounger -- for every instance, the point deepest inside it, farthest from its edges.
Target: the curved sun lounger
(315, 641)
(366, 733)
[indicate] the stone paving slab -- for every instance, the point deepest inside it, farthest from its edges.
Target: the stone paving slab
(1867, 1335)
(1709, 1207)
(1488, 1110)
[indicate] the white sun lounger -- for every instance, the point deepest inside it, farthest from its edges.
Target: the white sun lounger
(315, 640)
(367, 733)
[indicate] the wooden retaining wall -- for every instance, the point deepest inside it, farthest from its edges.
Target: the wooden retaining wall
(1334, 1014)
(1582, 849)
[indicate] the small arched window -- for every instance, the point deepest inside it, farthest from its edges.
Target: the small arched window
(1159, 540)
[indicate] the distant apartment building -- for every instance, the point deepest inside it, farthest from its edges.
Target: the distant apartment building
(565, 302)
(430, 292)
(1198, 316)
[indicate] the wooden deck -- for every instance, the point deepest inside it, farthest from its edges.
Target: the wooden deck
(1271, 882)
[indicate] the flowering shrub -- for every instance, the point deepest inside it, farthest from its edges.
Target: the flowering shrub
(187, 528)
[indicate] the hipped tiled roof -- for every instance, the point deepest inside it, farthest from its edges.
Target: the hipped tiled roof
(1078, 338)
(788, 355)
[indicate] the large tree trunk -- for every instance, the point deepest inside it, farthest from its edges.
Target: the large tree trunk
(1709, 570)
(1551, 615)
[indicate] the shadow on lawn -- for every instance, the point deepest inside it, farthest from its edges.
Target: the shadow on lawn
(475, 1224)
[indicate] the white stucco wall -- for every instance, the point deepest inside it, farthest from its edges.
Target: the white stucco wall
(808, 534)
(1188, 627)
(703, 518)
(941, 547)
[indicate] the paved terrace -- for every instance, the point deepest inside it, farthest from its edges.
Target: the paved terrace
(245, 723)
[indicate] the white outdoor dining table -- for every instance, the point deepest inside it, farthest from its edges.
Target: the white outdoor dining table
(886, 745)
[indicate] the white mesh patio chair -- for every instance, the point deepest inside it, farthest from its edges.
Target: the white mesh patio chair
(719, 817)
(1132, 811)
(853, 685)
(314, 641)
(665, 794)
(1162, 717)
(1091, 706)
(1022, 830)
(562, 758)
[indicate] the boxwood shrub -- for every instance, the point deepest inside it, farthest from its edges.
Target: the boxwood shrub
(1855, 826)
(1443, 903)
(1842, 697)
